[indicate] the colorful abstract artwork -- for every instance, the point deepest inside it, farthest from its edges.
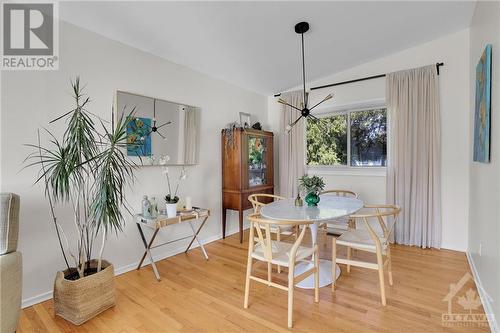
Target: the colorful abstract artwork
(138, 137)
(483, 108)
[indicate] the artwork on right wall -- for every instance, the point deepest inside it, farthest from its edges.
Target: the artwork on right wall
(483, 107)
(138, 136)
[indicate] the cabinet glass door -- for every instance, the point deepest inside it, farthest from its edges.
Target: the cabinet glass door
(257, 161)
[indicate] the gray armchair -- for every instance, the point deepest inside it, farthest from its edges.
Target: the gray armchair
(10, 264)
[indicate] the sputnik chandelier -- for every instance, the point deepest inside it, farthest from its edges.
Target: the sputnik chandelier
(154, 128)
(301, 28)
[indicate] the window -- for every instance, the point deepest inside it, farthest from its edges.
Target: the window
(353, 138)
(327, 141)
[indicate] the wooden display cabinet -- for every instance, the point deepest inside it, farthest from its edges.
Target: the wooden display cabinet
(247, 168)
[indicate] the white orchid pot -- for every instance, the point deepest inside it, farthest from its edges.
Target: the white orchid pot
(171, 209)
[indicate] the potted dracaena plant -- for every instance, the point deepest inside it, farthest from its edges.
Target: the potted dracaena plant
(87, 170)
(313, 187)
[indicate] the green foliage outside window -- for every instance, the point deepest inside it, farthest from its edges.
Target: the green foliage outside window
(327, 141)
(369, 138)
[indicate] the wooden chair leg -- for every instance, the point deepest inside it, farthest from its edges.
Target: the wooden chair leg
(349, 255)
(326, 236)
(352, 227)
(249, 265)
(278, 238)
(290, 296)
(316, 275)
(334, 261)
(380, 262)
(247, 281)
(352, 224)
(269, 268)
(389, 264)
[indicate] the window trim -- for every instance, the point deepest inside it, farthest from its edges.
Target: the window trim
(348, 170)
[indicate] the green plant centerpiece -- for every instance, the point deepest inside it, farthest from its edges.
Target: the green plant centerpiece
(88, 171)
(313, 187)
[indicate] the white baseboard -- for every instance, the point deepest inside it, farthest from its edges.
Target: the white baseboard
(36, 299)
(485, 298)
(164, 255)
(127, 268)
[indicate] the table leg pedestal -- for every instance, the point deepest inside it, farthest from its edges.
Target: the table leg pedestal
(325, 274)
(325, 267)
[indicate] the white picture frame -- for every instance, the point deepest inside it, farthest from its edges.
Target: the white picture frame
(245, 120)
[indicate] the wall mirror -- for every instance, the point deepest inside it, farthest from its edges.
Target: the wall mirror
(159, 128)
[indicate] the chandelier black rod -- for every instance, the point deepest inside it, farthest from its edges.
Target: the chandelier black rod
(439, 64)
(303, 73)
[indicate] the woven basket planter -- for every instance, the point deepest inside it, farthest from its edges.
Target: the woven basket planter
(80, 300)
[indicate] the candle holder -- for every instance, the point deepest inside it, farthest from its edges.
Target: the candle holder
(298, 201)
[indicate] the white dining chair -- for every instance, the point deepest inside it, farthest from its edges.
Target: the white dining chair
(370, 240)
(263, 248)
(341, 224)
(261, 199)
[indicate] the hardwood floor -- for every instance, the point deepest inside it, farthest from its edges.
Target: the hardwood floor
(199, 296)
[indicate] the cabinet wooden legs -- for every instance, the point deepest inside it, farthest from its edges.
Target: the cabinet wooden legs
(223, 222)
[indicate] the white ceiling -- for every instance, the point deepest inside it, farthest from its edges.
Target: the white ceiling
(253, 44)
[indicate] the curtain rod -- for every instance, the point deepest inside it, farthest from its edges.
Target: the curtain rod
(439, 64)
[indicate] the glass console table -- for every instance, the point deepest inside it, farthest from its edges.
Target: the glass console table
(162, 221)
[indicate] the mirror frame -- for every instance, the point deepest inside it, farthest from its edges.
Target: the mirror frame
(141, 161)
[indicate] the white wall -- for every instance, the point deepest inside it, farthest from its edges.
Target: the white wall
(484, 218)
(31, 99)
(454, 89)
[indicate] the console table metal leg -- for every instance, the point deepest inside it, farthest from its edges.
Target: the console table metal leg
(147, 246)
(195, 237)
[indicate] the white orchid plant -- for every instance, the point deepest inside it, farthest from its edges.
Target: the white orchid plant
(172, 198)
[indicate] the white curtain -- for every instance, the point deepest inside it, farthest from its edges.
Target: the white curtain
(291, 146)
(190, 137)
(414, 178)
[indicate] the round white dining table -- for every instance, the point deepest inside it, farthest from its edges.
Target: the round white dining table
(329, 208)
